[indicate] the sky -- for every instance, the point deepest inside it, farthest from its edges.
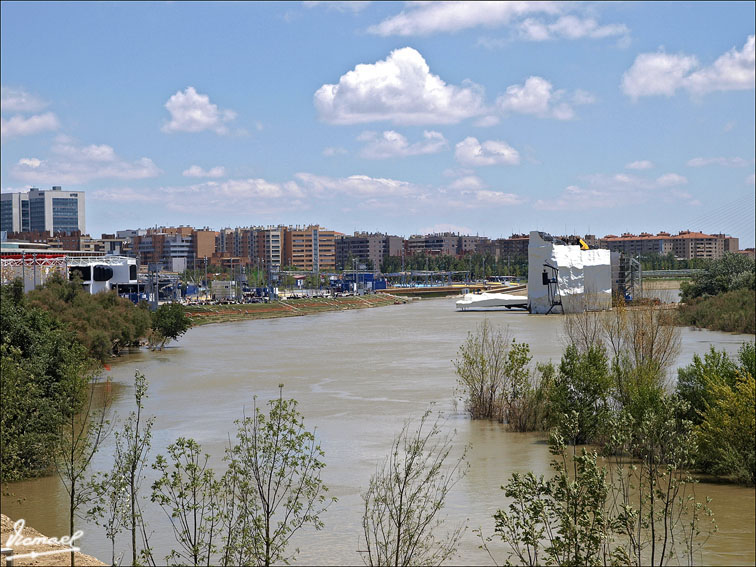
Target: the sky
(486, 118)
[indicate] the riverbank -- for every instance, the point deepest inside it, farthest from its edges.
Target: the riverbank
(207, 314)
(40, 553)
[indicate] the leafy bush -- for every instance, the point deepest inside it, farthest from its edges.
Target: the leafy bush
(582, 386)
(104, 323)
(726, 433)
(41, 362)
(169, 322)
(720, 393)
(732, 311)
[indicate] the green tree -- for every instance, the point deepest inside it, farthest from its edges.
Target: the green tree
(274, 484)
(640, 513)
(583, 386)
(169, 322)
(133, 442)
(405, 496)
(189, 494)
(728, 428)
(81, 434)
(42, 362)
(694, 381)
(103, 322)
(728, 273)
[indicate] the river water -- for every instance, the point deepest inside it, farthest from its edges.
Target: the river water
(357, 375)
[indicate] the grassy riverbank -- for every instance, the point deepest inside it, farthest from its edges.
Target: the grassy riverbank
(206, 314)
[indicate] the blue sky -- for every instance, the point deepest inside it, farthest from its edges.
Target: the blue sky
(485, 118)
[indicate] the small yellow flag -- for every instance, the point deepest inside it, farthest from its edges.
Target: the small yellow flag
(583, 245)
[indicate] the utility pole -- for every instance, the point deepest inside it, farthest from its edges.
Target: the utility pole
(207, 284)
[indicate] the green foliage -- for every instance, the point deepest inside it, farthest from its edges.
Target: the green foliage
(644, 513)
(405, 496)
(273, 485)
(561, 521)
(190, 496)
(479, 265)
(729, 273)
(728, 429)
(719, 391)
(494, 377)
(731, 311)
(169, 321)
(582, 385)
(637, 387)
(695, 381)
(42, 363)
(104, 323)
(656, 261)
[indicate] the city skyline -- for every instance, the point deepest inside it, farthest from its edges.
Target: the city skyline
(478, 118)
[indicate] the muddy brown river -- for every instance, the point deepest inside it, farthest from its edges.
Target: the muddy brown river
(357, 375)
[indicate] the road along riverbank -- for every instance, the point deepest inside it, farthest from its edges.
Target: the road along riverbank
(206, 314)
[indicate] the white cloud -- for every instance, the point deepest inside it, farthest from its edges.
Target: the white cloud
(723, 161)
(497, 198)
(239, 195)
(751, 179)
(20, 126)
(399, 89)
(487, 121)
(425, 18)
(640, 164)
(392, 144)
(197, 171)
(735, 70)
(467, 183)
(602, 191)
(74, 165)
(18, 100)
(656, 74)
(471, 153)
(663, 74)
(193, 112)
(332, 151)
(355, 185)
(30, 162)
(670, 180)
(538, 97)
(338, 6)
(570, 27)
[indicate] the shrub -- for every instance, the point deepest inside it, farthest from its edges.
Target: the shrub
(582, 386)
(732, 311)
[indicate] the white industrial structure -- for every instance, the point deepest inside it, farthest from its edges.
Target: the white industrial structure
(103, 273)
(566, 278)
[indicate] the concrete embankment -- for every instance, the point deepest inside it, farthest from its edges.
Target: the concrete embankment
(205, 314)
(39, 553)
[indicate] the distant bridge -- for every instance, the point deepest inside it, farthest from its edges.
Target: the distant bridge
(671, 273)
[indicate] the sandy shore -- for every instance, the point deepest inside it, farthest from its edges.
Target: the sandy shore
(23, 553)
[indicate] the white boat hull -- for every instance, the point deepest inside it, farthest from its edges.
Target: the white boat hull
(491, 300)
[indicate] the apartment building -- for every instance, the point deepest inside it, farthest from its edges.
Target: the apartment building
(685, 246)
(367, 248)
(516, 246)
(175, 248)
(310, 248)
(269, 247)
